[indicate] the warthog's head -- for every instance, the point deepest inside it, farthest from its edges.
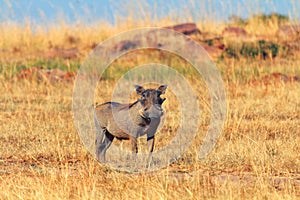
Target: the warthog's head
(151, 101)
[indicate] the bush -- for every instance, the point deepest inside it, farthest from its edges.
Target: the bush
(259, 49)
(268, 48)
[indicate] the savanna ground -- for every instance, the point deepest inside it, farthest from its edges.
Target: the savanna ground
(42, 157)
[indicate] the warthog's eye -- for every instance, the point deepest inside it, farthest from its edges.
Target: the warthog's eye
(144, 97)
(145, 94)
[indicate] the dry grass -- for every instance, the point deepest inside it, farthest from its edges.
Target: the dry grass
(42, 157)
(257, 156)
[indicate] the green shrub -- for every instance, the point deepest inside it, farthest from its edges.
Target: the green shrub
(259, 49)
(249, 50)
(268, 48)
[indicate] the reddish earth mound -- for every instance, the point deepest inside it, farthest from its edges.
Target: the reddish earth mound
(50, 75)
(234, 32)
(186, 28)
(288, 32)
(62, 53)
(275, 78)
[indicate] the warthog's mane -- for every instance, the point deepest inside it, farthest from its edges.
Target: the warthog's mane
(120, 106)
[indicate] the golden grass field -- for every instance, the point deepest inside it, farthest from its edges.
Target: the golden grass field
(42, 157)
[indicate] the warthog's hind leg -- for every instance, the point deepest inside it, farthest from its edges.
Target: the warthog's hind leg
(103, 142)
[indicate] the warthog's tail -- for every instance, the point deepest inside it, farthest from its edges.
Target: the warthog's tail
(98, 129)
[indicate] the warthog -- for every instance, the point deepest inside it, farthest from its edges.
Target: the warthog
(129, 121)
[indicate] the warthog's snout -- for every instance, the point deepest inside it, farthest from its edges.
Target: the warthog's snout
(155, 111)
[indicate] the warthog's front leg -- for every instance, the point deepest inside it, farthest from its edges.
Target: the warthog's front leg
(150, 145)
(134, 147)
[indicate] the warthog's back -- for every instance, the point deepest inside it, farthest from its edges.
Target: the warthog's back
(116, 118)
(104, 112)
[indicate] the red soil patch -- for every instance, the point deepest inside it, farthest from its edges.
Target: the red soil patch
(50, 75)
(275, 78)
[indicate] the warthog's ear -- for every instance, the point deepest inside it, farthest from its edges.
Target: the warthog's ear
(139, 89)
(162, 89)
